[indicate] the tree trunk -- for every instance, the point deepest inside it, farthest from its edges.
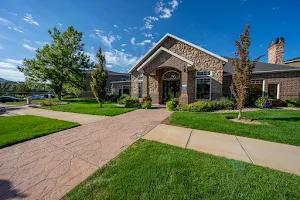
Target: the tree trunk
(100, 104)
(59, 95)
(240, 114)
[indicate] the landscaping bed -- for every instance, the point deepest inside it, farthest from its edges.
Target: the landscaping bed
(151, 170)
(274, 125)
(15, 129)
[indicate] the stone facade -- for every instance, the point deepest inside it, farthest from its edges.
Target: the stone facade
(154, 70)
(276, 51)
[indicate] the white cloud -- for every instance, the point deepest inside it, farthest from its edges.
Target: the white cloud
(107, 40)
(165, 12)
(17, 62)
(28, 41)
(12, 74)
(119, 58)
(28, 18)
(148, 22)
(92, 57)
(147, 34)
(15, 28)
(60, 24)
(109, 66)
(123, 45)
(127, 31)
(41, 43)
(132, 40)
(7, 65)
(26, 46)
(123, 50)
(4, 21)
(115, 26)
(144, 42)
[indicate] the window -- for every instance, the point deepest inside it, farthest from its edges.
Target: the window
(257, 88)
(203, 88)
(203, 82)
(126, 89)
(171, 75)
(140, 85)
(202, 73)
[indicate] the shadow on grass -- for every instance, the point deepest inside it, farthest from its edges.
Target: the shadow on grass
(290, 119)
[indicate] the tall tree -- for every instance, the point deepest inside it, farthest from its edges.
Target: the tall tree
(241, 80)
(59, 63)
(99, 78)
(5, 87)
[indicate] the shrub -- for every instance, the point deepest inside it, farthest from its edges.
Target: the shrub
(122, 98)
(223, 103)
(278, 103)
(112, 98)
(172, 104)
(48, 102)
(261, 101)
(147, 102)
(293, 102)
(132, 103)
(205, 106)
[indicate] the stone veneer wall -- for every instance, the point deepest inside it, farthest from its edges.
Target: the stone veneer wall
(276, 54)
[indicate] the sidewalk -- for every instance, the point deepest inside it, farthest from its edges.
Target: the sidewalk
(269, 154)
(67, 116)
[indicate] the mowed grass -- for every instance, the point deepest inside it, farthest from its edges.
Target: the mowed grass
(281, 126)
(20, 128)
(89, 106)
(151, 170)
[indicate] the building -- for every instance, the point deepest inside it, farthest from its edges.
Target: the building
(175, 68)
(117, 83)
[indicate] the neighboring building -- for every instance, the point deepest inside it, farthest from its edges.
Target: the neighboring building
(118, 83)
(175, 68)
(293, 62)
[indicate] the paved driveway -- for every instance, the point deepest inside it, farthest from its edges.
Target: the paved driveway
(50, 166)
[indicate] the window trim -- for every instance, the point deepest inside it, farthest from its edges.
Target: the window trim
(263, 84)
(196, 87)
(163, 77)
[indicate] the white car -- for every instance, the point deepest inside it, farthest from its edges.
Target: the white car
(37, 97)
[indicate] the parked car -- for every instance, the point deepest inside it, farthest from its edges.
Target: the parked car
(47, 96)
(5, 99)
(37, 97)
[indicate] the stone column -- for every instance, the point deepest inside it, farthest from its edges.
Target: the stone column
(184, 98)
(145, 85)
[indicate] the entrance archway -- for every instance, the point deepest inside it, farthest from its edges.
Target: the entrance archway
(171, 85)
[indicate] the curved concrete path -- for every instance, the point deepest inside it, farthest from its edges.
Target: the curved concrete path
(50, 166)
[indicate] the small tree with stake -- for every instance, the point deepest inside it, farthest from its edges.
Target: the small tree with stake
(243, 66)
(99, 78)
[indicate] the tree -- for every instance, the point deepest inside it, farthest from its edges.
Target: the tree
(5, 87)
(243, 66)
(20, 87)
(99, 78)
(73, 90)
(59, 63)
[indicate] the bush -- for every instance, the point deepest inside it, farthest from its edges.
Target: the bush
(112, 98)
(122, 98)
(132, 103)
(278, 103)
(147, 102)
(48, 102)
(172, 104)
(262, 101)
(293, 102)
(206, 106)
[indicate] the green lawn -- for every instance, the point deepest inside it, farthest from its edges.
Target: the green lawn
(151, 170)
(281, 126)
(22, 102)
(90, 107)
(17, 129)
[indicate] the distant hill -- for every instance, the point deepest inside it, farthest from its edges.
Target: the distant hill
(2, 80)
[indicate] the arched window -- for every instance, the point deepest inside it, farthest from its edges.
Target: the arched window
(171, 75)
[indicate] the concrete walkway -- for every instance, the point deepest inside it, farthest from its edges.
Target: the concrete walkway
(269, 154)
(67, 116)
(50, 166)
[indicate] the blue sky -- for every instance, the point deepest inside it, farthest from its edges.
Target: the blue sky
(127, 29)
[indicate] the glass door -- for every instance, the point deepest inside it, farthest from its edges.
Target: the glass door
(171, 90)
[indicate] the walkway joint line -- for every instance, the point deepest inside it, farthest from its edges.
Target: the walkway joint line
(245, 150)
(188, 139)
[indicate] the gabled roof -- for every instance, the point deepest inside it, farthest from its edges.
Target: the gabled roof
(159, 43)
(163, 49)
(297, 59)
(263, 68)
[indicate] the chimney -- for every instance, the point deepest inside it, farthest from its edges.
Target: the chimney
(276, 51)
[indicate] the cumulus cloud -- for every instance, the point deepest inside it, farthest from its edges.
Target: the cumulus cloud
(26, 46)
(107, 40)
(119, 58)
(115, 26)
(28, 18)
(148, 22)
(92, 57)
(9, 68)
(132, 40)
(123, 45)
(4, 21)
(165, 11)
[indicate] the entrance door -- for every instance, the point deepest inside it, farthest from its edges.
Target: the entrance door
(273, 91)
(171, 90)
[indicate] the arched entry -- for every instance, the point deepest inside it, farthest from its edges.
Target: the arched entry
(171, 84)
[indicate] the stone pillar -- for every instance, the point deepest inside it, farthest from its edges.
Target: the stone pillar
(145, 85)
(184, 98)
